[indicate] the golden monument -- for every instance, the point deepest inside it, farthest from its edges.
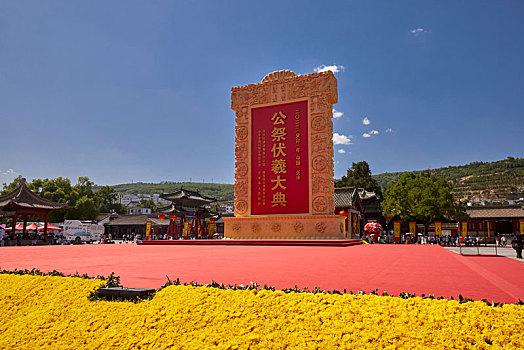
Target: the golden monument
(284, 187)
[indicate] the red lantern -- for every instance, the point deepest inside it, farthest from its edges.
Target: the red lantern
(212, 219)
(343, 213)
(161, 217)
(173, 217)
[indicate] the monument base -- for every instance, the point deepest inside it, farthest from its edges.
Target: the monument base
(286, 227)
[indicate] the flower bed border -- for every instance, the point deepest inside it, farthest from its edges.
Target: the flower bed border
(114, 281)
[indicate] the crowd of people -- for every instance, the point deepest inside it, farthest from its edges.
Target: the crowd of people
(33, 236)
(449, 241)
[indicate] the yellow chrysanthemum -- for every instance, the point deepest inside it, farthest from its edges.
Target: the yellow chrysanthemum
(55, 313)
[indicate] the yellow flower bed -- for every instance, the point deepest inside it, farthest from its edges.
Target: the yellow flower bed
(54, 312)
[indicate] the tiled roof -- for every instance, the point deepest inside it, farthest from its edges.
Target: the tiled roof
(498, 211)
(186, 198)
(129, 220)
(25, 198)
(344, 197)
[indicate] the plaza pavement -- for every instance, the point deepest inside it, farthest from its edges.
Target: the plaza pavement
(416, 269)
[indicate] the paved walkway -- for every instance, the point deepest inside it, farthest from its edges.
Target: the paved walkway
(507, 252)
(393, 268)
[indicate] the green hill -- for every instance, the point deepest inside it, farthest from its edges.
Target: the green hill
(219, 191)
(499, 180)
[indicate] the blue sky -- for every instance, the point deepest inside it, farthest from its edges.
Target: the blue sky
(124, 90)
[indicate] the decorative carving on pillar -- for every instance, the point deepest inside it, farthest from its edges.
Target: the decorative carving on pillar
(299, 227)
(320, 227)
(320, 90)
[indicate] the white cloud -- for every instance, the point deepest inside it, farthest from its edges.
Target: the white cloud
(366, 121)
(7, 176)
(389, 130)
(337, 114)
(370, 133)
(334, 68)
(341, 151)
(418, 31)
(339, 139)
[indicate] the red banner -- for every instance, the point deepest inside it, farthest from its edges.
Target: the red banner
(279, 158)
(413, 227)
(396, 231)
(464, 229)
(148, 230)
(438, 228)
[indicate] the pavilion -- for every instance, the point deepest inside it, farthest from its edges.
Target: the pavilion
(189, 207)
(23, 203)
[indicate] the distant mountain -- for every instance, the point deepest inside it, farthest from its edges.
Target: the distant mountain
(221, 192)
(491, 181)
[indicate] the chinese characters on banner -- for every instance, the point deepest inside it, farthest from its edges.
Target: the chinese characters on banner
(438, 228)
(464, 229)
(279, 158)
(148, 230)
(413, 227)
(521, 225)
(354, 223)
(396, 231)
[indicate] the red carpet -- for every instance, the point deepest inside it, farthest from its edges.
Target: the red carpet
(393, 268)
(260, 242)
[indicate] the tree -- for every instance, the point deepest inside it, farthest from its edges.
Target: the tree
(57, 190)
(422, 197)
(359, 176)
(8, 188)
(147, 203)
(80, 197)
(84, 209)
(106, 200)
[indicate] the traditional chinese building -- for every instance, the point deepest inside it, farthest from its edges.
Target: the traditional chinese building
(135, 224)
(498, 219)
(188, 213)
(362, 206)
(348, 203)
(22, 203)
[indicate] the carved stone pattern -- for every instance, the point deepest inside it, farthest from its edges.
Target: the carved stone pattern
(321, 184)
(241, 151)
(276, 227)
(319, 163)
(240, 206)
(241, 170)
(283, 86)
(318, 122)
(236, 227)
(255, 228)
(298, 87)
(322, 148)
(320, 227)
(320, 204)
(241, 117)
(240, 188)
(321, 138)
(279, 76)
(242, 132)
(299, 227)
